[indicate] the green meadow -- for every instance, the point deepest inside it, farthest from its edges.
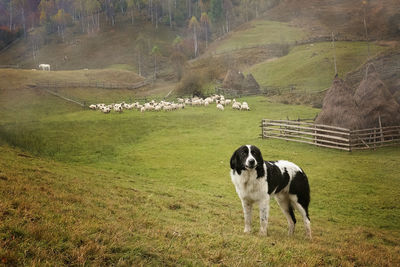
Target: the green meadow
(311, 67)
(261, 32)
(78, 187)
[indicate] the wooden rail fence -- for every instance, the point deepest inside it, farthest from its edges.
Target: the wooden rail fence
(330, 136)
(94, 84)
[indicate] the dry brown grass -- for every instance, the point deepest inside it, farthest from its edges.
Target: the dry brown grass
(19, 78)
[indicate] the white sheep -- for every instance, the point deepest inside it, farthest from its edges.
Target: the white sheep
(106, 110)
(245, 106)
(220, 107)
(118, 108)
(236, 105)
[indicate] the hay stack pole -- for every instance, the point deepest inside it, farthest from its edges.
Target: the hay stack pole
(334, 52)
(365, 24)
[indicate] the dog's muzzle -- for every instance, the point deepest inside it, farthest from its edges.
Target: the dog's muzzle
(251, 164)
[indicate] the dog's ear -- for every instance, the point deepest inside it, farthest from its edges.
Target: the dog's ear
(260, 162)
(236, 163)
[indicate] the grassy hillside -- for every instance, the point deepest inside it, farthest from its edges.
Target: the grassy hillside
(310, 67)
(342, 17)
(258, 33)
(17, 79)
(82, 187)
(111, 47)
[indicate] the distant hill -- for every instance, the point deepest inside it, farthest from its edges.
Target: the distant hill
(276, 46)
(343, 17)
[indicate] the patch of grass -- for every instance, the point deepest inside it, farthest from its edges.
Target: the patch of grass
(17, 79)
(123, 67)
(154, 189)
(260, 32)
(311, 67)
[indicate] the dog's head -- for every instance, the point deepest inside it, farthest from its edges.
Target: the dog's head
(247, 158)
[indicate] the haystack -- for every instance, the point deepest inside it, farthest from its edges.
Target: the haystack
(233, 80)
(250, 84)
(396, 93)
(338, 107)
(374, 100)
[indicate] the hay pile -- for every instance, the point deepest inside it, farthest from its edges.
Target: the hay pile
(362, 110)
(373, 100)
(235, 80)
(339, 108)
(250, 83)
(396, 93)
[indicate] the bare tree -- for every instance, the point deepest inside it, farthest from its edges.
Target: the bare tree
(194, 24)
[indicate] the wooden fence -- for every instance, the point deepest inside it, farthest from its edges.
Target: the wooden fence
(330, 136)
(94, 84)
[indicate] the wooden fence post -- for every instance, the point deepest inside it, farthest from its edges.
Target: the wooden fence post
(380, 128)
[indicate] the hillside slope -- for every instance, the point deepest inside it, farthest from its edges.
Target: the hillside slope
(343, 17)
(113, 47)
(311, 67)
(78, 187)
(15, 79)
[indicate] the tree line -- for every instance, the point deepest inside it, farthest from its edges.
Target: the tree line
(220, 16)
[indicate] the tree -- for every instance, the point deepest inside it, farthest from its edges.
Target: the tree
(155, 51)
(228, 7)
(177, 57)
(204, 5)
(60, 20)
(216, 12)
(131, 6)
(205, 23)
(194, 24)
(140, 50)
(20, 5)
(92, 7)
(170, 13)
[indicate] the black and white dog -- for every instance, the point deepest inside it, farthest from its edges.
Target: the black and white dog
(256, 180)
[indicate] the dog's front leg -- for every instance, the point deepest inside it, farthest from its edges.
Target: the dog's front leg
(247, 211)
(264, 213)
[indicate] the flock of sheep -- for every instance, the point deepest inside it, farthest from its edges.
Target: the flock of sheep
(220, 101)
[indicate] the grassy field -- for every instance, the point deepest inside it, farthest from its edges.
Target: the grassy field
(311, 67)
(78, 187)
(110, 47)
(259, 32)
(17, 79)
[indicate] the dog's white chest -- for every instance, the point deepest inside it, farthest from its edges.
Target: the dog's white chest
(248, 186)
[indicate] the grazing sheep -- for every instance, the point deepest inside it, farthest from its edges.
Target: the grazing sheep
(94, 107)
(106, 110)
(209, 100)
(236, 105)
(245, 106)
(118, 108)
(220, 107)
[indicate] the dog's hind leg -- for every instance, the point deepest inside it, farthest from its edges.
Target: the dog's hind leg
(303, 209)
(284, 203)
